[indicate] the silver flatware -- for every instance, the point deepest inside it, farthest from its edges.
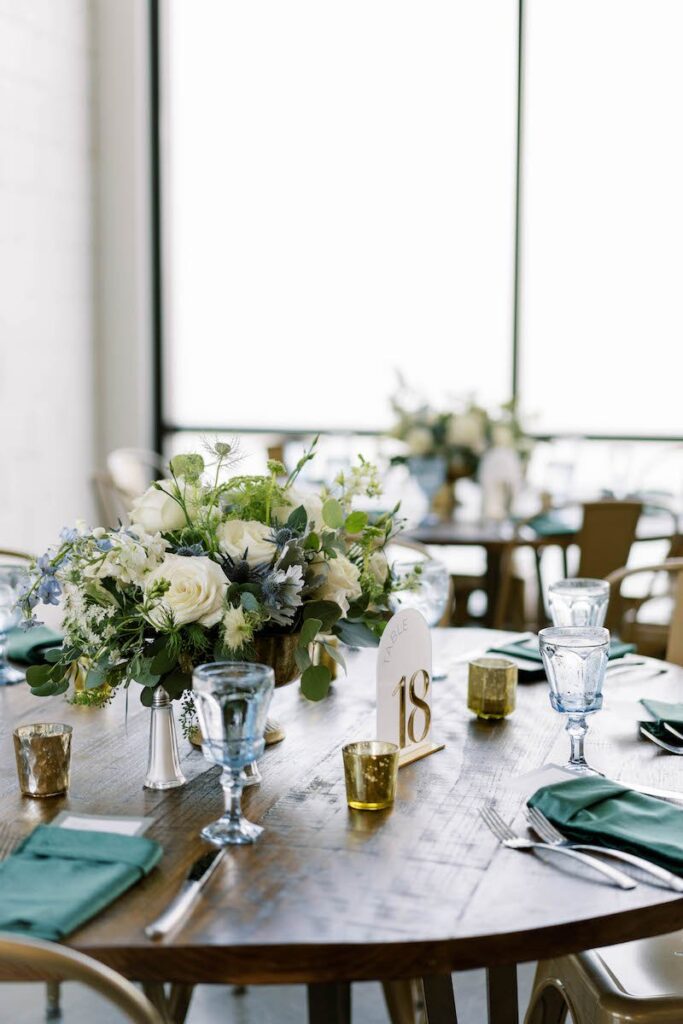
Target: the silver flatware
(549, 833)
(181, 904)
(507, 837)
(674, 732)
(8, 842)
(662, 794)
(669, 747)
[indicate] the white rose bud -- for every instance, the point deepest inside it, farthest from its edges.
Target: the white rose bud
(379, 567)
(312, 503)
(156, 512)
(239, 535)
(342, 583)
(196, 593)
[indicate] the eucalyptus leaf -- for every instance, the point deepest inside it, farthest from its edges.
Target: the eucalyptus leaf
(302, 658)
(333, 514)
(309, 631)
(164, 661)
(328, 612)
(176, 683)
(37, 675)
(334, 653)
(355, 634)
(315, 682)
(144, 675)
(52, 655)
(356, 522)
(249, 602)
(146, 696)
(312, 542)
(96, 676)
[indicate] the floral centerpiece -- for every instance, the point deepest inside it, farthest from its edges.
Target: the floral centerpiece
(208, 566)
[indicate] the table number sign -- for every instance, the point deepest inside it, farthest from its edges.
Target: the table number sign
(404, 684)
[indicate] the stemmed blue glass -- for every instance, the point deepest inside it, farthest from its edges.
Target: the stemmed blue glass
(575, 660)
(13, 579)
(430, 473)
(232, 700)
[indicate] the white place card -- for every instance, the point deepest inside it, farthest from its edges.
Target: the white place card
(118, 823)
(404, 681)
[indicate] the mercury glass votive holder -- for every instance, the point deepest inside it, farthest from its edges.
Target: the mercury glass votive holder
(492, 687)
(370, 773)
(43, 754)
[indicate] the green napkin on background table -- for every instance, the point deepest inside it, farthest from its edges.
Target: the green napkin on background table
(596, 810)
(28, 646)
(545, 524)
(60, 877)
(529, 649)
(662, 711)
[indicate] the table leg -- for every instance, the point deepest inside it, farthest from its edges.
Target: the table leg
(439, 999)
(329, 1004)
(501, 992)
(172, 1005)
(494, 575)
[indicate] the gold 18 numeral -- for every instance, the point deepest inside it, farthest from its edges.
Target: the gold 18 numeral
(418, 703)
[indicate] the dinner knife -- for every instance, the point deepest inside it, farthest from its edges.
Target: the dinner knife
(197, 877)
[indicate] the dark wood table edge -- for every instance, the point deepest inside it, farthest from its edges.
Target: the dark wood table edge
(326, 962)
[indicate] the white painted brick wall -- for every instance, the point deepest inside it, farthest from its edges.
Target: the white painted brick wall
(46, 269)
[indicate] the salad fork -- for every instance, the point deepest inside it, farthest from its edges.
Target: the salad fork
(507, 837)
(550, 834)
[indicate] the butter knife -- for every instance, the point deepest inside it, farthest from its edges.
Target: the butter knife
(197, 877)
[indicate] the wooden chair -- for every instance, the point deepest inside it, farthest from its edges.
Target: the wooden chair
(33, 959)
(625, 611)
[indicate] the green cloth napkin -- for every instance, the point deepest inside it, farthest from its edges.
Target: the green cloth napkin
(529, 649)
(545, 524)
(59, 878)
(28, 646)
(596, 810)
(662, 711)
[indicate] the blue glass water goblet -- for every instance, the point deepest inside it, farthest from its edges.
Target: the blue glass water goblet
(575, 660)
(232, 700)
(578, 602)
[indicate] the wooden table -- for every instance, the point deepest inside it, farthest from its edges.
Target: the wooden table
(497, 538)
(330, 895)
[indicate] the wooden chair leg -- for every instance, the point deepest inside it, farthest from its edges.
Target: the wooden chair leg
(53, 1004)
(547, 1006)
(439, 999)
(501, 993)
(172, 1004)
(329, 1004)
(402, 999)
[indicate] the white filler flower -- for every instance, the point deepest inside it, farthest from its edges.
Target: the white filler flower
(342, 583)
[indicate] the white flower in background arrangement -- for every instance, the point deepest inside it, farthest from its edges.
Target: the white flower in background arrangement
(236, 629)
(156, 511)
(502, 435)
(420, 441)
(342, 582)
(196, 592)
(467, 430)
(248, 540)
(379, 567)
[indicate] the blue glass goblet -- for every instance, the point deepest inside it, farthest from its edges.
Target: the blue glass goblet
(232, 700)
(575, 660)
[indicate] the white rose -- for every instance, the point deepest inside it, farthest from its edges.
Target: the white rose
(156, 512)
(420, 441)
(342, 583)
(196, 593)
(312, 503)
(379, 567)
(466, 430)
(237, 536)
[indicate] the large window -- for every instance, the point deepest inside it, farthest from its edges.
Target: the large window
(601, 338)
(339, 185)
(339, 203)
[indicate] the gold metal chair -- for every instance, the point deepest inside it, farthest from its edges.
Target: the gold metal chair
(34, 960)
(625, 615)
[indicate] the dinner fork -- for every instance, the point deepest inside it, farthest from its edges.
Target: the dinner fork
(507, 837)
(669, 747)
(549, 833)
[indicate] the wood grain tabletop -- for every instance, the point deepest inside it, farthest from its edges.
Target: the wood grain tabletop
(334, 894)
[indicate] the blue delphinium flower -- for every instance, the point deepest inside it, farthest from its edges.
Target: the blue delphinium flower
(49, 590)
(104, 544)
(68, 535)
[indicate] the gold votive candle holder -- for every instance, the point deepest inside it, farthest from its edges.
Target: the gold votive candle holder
(492, 687)
(43, 753)
(370, 773)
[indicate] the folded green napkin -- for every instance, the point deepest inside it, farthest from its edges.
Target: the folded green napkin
(596, 810)
(529, 649)
(662, 711)
(545, 524)
(28, 646)
(59, 878)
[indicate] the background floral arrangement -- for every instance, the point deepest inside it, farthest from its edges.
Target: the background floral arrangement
(460, 435)
(204, 567)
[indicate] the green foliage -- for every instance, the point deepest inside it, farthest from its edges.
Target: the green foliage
(315, 682)
(333, 514)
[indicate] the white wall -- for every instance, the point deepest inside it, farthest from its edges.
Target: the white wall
(46, 279)
(74, 231)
